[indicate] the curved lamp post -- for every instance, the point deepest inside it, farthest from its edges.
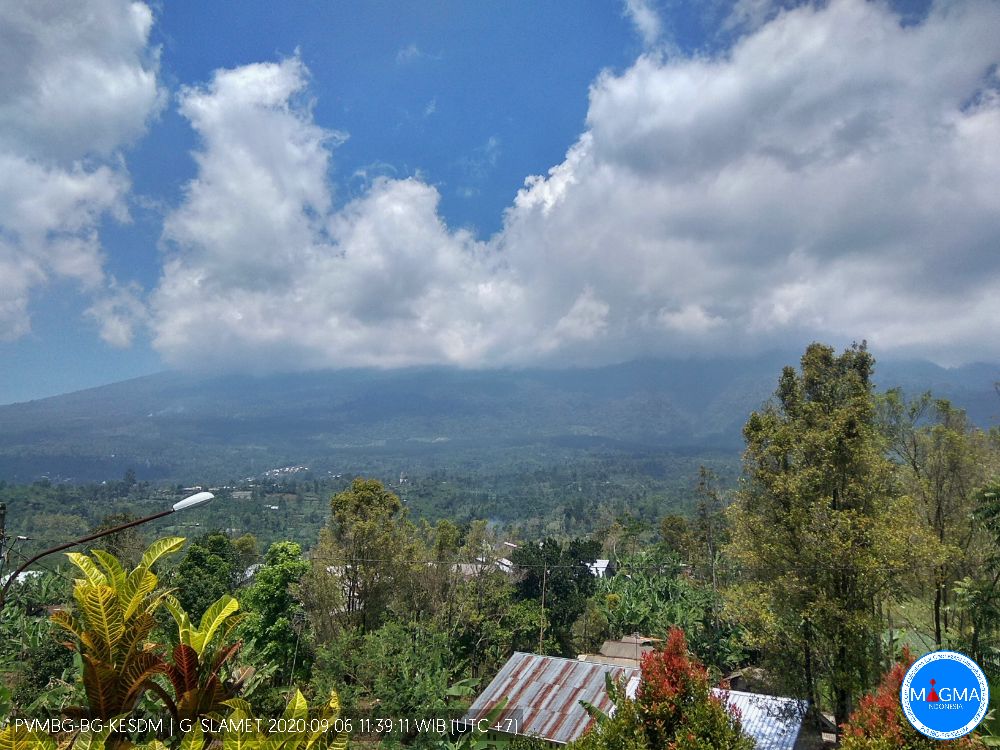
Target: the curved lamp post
(188, 502)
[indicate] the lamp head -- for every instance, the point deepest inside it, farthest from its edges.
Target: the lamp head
(193, 500)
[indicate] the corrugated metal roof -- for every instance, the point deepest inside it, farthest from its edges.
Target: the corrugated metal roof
(544, 694)
(774, 722)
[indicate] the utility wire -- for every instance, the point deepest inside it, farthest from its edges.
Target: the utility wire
(628, 567)
(25, 558)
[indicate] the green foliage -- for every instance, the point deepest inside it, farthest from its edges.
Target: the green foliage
(274, 627)
(562, 573)
(675, 533)
(210, 569)
(397, 670)
(591, 628)
(127, 545)
(650, 594)
(368, 549)
(113, 620)
(673, 708)
(818, 530)
(486, 624)
(942, 459)
(35, 664)
(43, 660)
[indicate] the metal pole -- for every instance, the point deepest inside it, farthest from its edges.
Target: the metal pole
(541, 625)
(3, 537)
(82, 540)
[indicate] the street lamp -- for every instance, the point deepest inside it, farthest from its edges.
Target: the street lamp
(189, 502)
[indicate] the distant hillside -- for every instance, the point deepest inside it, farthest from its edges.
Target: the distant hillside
(177, 427)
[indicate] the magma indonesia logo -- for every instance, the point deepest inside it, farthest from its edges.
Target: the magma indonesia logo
(944, 695)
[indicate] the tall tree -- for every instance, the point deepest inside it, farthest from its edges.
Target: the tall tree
(816, 527)
(363, 558)
(275, 618)
(943, 459)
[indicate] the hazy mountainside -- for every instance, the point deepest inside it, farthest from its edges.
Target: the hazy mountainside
(173, 426)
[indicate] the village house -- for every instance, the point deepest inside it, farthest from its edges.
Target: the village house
(545, 695)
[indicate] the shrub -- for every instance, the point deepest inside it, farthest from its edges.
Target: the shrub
(878, 723)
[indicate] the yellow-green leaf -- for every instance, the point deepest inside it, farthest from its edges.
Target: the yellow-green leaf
(91, 572)
(66, 621)
(139, 585)
(22, 739)
(102, 616)
(211, 621)
(159, 548)
(114, 570)
(181, 618)
(297, 707)
(194, 739)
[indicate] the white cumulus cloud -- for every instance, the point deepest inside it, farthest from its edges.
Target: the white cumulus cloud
(646, 20)
(834, 175)
(79, 83)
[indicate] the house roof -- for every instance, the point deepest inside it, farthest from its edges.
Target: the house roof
(629, 647)
(599, 568)
(774, 722)
(544, 693)
(620, 661)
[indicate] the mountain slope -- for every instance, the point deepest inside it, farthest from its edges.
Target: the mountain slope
(173, 426)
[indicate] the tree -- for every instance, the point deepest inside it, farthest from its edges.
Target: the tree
(819, 531)
(978, 594)
(560, 579)
(368, 547)
(275, 617)
(942, 459)
(675, 533)
(127, 545)
(210, 569)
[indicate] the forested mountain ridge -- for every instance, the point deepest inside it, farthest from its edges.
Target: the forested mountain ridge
(171, 426)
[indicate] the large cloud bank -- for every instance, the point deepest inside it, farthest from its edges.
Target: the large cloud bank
(79, 82)
(834, 174)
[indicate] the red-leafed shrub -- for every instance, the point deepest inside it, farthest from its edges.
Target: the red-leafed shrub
(676, 705)
(878, 723)
(674, 709)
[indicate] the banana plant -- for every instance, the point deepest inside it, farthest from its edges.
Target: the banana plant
(196, 672)
(113, 619)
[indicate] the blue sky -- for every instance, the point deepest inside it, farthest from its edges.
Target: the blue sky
(260, 186)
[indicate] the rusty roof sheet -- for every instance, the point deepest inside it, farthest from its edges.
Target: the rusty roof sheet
(544, 693)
